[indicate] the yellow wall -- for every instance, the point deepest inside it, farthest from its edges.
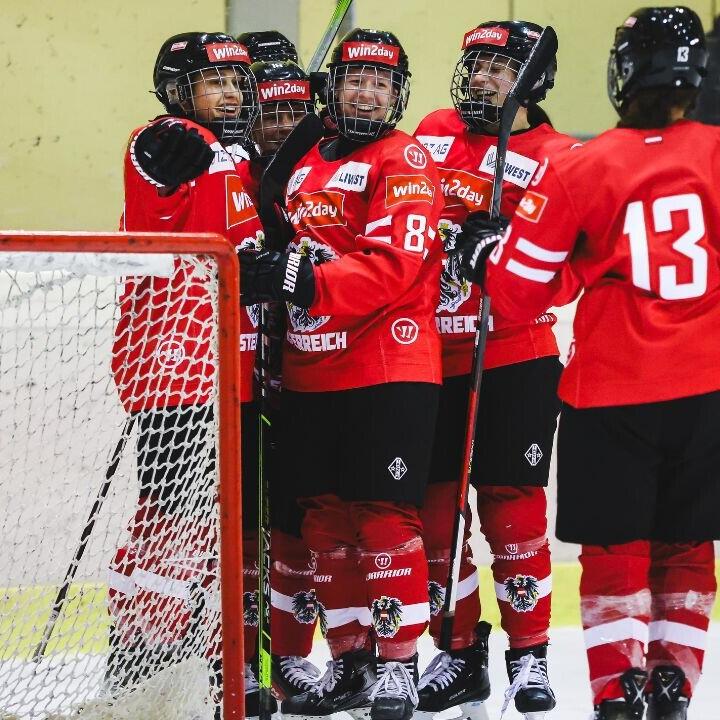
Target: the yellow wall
(75, 76)
(431, 32)
(75, 81)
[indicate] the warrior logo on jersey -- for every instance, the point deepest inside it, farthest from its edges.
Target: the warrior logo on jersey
(386, 616)
(307, 608)
(251, 613)
(300, 319)
(454, 290)
(436, 594)
(522, 592)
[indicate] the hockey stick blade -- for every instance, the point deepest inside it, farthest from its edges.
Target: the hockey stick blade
(530, 73)
(326, 41)
(304, 135)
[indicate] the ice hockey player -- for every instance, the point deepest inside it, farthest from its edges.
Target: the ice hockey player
(519, 405)
(180, 176)
(638, 445)
(284, 97)
(361, 376)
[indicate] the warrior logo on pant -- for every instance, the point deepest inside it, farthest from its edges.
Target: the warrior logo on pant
(522, 592)
(386, 616)
(250, 608)
(307, 608)
(436, 594)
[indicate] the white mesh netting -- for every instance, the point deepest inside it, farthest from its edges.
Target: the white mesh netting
(88, 358)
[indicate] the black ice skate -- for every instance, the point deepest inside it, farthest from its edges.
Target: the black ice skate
(458, 677)
(529, 683)
(345, 687)
(632, 705)
(665, 702)
(293, 675)
(252, 695)
(394, 696)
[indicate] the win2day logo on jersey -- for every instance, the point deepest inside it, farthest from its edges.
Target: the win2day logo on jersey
(408, 188)
(322, 208)
(463, 188)
(239, 206)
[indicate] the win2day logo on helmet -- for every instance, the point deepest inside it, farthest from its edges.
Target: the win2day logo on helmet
(227, 52)
(323, 208)
(371, 52)
(284, 90)
(486, 36)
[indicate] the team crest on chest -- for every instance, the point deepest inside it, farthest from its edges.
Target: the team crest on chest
(300, 319)
(454, 290)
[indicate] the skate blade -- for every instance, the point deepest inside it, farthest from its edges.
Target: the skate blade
(474, 710)
(536, 715)
(361, 713)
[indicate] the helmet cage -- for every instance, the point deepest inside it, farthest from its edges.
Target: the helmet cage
(276, 120)
(480, 84)
(231, 88)
(350, 114)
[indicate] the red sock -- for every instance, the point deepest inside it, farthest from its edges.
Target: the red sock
(514, 522)
(683, 585)
(615, 607)
(438, 517)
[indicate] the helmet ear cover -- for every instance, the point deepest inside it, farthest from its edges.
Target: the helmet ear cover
(656, 47)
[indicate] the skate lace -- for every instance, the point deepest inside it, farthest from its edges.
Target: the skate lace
(330, 678)
(251, 683)
(394, 680)
(441, 672)
(299, 671)
(528, 671)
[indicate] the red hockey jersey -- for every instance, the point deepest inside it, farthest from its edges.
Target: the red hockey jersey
(369, 222)
(160, 357)
(639, 226)
(466, 162)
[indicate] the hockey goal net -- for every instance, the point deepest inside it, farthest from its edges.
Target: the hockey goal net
(119, 477)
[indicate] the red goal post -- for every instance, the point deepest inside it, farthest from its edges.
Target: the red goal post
(26, 293)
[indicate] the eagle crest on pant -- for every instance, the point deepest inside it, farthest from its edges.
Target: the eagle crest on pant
(386, 616)
(251, 614)
(522, 592)
(307, 608)
(436, 595)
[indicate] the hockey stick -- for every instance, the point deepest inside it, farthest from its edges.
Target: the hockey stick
(84, 538)
(271, 210)
(531, 72)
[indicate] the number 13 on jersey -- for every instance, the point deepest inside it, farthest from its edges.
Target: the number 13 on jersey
(686, 246)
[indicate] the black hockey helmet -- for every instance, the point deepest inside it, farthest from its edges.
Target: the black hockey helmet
(656, 47)
(268, 45)
(481, 80)
(196, 65)
(371, 64)
(285, 98)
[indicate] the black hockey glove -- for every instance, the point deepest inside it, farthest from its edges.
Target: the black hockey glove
(172, 154)
(479, 236)
(269, 276)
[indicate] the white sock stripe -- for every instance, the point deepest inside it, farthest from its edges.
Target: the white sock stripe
(415, 614)
(281, 602)
(468, 586)
(544, 589)
(523, 271)
(678, 633)
(616, 631)
(122, 583)
(344, 616)
(147, 580)
(539, 253)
